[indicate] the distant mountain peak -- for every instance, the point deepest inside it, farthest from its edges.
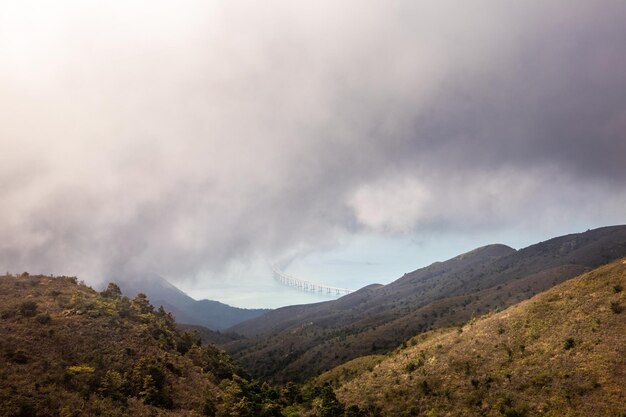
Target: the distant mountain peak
(157, 288)
(492, 250)
(209, 313)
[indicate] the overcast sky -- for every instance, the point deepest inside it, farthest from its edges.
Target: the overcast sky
(348, 141)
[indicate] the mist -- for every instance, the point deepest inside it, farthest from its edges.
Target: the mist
(187, 138)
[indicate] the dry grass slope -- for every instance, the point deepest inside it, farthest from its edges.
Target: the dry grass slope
(561, 353)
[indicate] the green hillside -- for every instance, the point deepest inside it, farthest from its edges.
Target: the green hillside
(561, 353)
(66, 350)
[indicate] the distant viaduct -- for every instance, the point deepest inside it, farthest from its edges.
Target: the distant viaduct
(308, 286)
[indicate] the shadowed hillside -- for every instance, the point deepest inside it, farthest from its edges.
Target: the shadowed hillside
(298, 342)
(208, 335)
(561, 353)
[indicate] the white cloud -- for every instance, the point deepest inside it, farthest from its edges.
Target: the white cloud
(396, 205)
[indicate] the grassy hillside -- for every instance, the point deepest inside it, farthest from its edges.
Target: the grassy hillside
(561, 353)
(298, 342)
(66, 350)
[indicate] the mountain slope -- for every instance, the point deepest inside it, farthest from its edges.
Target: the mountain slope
(157, 288)
(300, 341)
(561, 353)
(66, 350)
(208, 313)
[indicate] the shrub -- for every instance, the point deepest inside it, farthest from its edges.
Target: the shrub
(28, 308)
(514, 413)
(209, 408)
(17, 356)
(616, 307)
(569, 343)
(80, 369)
(617, 288)
(123, 307)
(425, 388)
(111, 385)
(7, 314)
(331, 406)
(187, 340)
(43, 318)
(71, 280)
(354, 411)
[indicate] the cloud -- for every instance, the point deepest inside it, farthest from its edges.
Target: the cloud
(183, 138)
(395, 206)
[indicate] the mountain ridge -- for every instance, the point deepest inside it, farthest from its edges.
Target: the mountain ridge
(559, 353)
(299, 341)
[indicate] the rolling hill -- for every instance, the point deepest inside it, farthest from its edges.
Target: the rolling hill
(561, 353)
(299, 342)
(68, 351)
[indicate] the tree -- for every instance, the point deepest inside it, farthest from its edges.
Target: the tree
(111, 385)
(112, 291)
(142, 304)
(331, 406)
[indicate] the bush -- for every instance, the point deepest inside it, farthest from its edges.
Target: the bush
(17, 356)
(209, 408)
(354, 411)
(331, 406)
(616, 307)
(7, 314)
(80, 369)
(515, 413)
(28, 308)
(617, 288)
(111, 385)
(569, 343)
(43, 318)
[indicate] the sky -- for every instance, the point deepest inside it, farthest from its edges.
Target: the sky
(347, 142)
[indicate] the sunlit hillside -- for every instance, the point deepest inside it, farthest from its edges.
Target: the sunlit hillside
(561, 353)
(66, 350)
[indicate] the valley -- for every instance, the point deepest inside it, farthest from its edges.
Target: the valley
(539, 331)
(299, 342)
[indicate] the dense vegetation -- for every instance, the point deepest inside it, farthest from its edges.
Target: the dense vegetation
(561, 353)
(67, 350)
(299, 342)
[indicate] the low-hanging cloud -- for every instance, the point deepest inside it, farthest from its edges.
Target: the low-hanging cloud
(181, 138)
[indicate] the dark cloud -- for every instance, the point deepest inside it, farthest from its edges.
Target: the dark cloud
(180, 140)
